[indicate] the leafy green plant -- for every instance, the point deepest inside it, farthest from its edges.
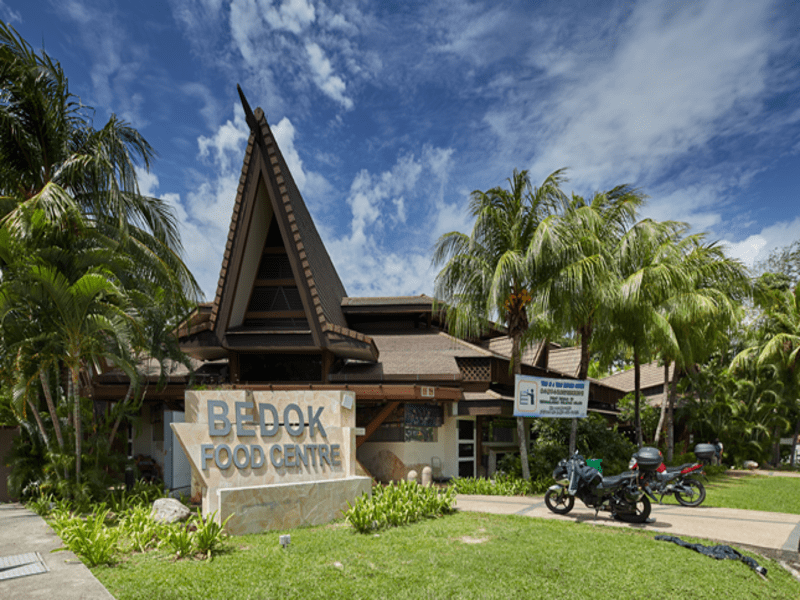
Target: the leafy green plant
(91, 539)
(41, 505)
(209, 534)
(501, 485)
(179, 540)
(398, 503)
(139, 530)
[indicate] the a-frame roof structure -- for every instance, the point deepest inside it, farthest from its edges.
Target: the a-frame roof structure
(278, 289)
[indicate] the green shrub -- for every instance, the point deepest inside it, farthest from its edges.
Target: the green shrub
(178, 538)
(139, 530)
(398, 503)
(501, 485)
(551, 443)
(209, 534)
(91, 539)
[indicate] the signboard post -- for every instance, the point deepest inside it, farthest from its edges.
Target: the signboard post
(556, 398)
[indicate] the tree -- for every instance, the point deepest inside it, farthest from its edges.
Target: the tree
(62, 179)
(775, 347)
(579, 257)
(648, 271)
(491, 274)
(700, 314)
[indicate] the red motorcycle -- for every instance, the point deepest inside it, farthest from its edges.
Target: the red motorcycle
(678, 481)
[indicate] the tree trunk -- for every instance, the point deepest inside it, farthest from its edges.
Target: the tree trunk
(51, 407)
(76, 399)
(637, 383)
(583, 371)
(39, 423)
(118, 420)
(516, 357)
(673, 385)
(664, 402)
(794, 442)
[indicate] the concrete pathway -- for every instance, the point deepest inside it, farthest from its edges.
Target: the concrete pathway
(777, 534)
(23, 532)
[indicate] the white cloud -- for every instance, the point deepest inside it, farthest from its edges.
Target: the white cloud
(9, 14)
(291, 15)
(757, 248)
(395, 217)
(677, 78)
(225, 146)
(322, 73)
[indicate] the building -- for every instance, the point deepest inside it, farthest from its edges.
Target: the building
(282, 320)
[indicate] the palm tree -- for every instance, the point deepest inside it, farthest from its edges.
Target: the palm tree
(490, 274)
(62, 178)
(579, 258)
(700, 314)
(55, 163)
(649, 271)
(776, 347)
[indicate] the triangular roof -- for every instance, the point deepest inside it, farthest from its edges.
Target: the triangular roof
(278, 289)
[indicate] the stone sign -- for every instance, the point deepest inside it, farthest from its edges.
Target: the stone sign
(272, 459)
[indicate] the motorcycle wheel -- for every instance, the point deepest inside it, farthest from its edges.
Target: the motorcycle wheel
(696, 497)
(559, 501)
(639, 511)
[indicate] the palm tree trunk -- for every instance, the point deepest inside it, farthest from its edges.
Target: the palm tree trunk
(118, 420)
(637, 384)
(583, 371)
(51, 407)
(664, 402)
(516, 357)
(40, 424)
(76, 399)
(673, 384)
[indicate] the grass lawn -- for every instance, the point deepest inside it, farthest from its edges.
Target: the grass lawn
(751, 492)
(466, 555)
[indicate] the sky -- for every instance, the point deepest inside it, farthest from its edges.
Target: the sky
(390, 114)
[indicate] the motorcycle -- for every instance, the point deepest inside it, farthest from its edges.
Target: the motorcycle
(678, 481)
(620, 494)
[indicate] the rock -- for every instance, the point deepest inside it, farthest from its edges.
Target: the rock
(427, 476)
(750, 464)
(412, 475)
(169, 510)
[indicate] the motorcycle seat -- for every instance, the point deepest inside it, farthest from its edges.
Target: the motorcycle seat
(611, 482)
(678, 469)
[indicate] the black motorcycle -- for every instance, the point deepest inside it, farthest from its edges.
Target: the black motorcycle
(620, 494)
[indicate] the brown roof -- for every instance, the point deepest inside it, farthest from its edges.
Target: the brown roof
(421, 354)
(565, 360)
(422, 300)
(652, 375)
(502, 347)
(265, 177)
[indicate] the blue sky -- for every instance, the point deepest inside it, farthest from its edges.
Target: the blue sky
(390, 114)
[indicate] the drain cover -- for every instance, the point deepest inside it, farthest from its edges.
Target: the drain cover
(20, 565)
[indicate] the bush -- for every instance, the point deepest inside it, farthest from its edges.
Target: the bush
(501, 485)
(398, 503)
(91, 539)
(551, 443)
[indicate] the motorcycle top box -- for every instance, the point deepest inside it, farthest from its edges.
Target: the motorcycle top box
(704, 451)
(649, 459)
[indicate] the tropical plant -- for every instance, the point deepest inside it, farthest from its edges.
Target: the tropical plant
(578, 257)
(97, 254)
(774, 351)
(398, 503)
(491, 274)
(649, 271)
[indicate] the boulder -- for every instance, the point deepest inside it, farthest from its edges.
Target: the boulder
(169, 510)
(750, 464)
